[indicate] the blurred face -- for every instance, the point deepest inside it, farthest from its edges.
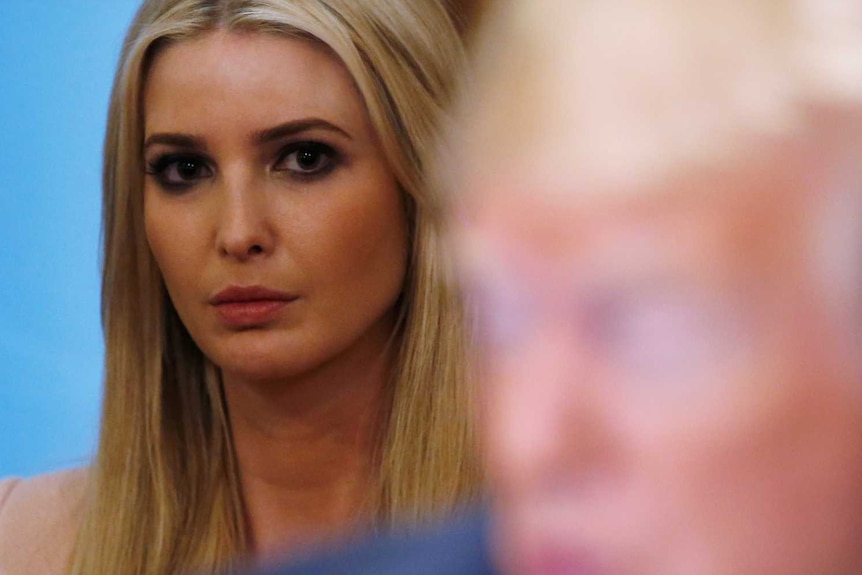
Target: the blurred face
(269, 206)
(665, 391)
(669, 337)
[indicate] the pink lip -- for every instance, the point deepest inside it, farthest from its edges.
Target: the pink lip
(247, 307)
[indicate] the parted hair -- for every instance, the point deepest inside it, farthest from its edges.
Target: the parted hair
(164, 494)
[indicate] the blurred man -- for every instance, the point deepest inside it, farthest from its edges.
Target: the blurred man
(659, 215)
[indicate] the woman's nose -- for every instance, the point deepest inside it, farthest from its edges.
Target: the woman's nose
(244, 223)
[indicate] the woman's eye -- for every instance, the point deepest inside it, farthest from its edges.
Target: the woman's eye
(178, 172)
(307, 159)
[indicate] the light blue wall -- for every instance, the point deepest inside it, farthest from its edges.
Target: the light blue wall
(56, 65)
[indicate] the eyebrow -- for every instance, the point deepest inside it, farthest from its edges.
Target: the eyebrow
(297, 127)
(179, 140)
(262, 137)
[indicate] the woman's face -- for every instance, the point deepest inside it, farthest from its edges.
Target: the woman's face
(270, 209)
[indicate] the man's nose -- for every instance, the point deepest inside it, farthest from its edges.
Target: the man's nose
(245, 228)
(544, 417)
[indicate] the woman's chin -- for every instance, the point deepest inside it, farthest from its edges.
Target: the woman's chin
(261, 357)
(264, 370)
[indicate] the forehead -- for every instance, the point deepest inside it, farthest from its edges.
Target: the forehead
(709, 238)
(250, 78)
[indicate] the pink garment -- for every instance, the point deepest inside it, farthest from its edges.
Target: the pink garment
(39, 519)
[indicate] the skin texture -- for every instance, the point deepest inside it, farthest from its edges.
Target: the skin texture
(303, 387)
(669, 386)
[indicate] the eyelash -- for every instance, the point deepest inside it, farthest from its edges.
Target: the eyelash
(331, 159)
(161, 166)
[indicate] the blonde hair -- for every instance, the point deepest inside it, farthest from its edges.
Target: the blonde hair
(164, 493)
(647, 87)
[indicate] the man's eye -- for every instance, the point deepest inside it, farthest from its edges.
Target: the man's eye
(176, 171)
(307, 159)
(668, 338)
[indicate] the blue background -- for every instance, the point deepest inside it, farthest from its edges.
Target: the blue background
(57, 60)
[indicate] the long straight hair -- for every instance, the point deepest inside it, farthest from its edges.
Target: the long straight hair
(164, 494)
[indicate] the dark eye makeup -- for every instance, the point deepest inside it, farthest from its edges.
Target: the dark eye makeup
(307, 160)
(301, 161)
(179, 171)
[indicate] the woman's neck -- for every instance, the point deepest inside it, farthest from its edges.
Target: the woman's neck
(306, 448)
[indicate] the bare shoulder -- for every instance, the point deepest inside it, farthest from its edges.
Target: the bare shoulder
(39, 519)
